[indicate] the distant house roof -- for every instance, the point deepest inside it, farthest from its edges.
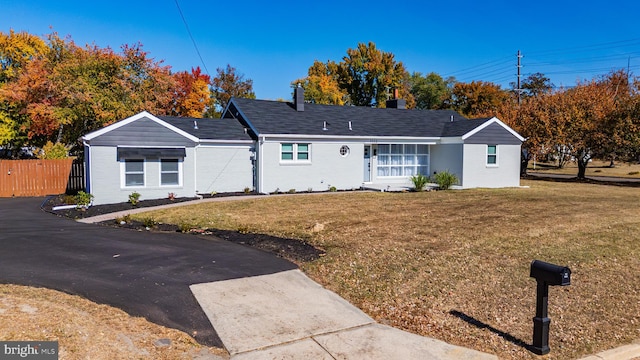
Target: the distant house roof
(265, 117)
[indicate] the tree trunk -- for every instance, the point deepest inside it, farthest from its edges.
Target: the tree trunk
(582, 168)
(525, 156)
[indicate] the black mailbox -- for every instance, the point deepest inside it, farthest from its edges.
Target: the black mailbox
(550, 273)
(546, 275)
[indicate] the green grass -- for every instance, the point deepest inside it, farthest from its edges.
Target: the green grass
(411, 259)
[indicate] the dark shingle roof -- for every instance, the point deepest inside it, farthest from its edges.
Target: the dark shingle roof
(459, 128)
(274, 117)
(209, 129)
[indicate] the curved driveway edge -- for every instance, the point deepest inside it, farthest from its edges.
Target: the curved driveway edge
(145, 274)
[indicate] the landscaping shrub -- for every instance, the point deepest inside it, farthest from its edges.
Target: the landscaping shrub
(444, 179)
(419, 182)
(134, 198)
(83, 199)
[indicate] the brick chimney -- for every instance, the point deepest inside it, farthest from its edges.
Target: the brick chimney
(396, 103)
(298, 98)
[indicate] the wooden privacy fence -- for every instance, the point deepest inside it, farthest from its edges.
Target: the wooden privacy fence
(34, 177)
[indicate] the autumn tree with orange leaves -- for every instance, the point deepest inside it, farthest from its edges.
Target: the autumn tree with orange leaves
(192, 94)
(595, 119)
(55, 90)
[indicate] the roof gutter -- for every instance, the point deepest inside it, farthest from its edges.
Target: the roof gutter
(348, 137)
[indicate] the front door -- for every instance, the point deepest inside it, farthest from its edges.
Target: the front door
(367, 163)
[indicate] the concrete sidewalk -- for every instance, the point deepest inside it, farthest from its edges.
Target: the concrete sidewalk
(288, 316)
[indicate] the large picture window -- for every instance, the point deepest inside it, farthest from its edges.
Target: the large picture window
(134, 172)
(169, 172)
(403, 159)
(294, 152)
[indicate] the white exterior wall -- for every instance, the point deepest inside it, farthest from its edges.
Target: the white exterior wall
(223, 168)
(327, 167)
(447, 157)
(106, 178)
(478, 174)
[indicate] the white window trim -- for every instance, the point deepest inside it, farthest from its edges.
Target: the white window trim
(179, 184)
(123, 175)
(497, 155)
(295, 159)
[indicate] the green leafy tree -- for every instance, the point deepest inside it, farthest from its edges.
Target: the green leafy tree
(226, 84)
(431, 91)
(534, 85)
(368, 75)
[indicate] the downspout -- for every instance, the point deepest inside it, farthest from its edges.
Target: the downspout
(87, 167)
(195, 169)
(260, 164)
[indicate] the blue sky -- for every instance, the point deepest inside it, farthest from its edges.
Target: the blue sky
(275, 42)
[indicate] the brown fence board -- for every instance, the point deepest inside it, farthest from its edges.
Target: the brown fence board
(34, 177)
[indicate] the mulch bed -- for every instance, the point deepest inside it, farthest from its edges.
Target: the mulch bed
(294, 250)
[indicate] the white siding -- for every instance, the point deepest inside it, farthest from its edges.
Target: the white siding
(447, 157)
(223, 168)
(106, 182)
(478, 174)
(327, 167)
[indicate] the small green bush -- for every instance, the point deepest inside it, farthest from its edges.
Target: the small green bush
(83, 199)
(333, 189)
(134, 198)
(247, 190)
(54, 151)
(419, 182)
(445, 179)
(149, 222)
(292, 191)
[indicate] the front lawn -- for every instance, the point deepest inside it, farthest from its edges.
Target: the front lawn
(454, 265)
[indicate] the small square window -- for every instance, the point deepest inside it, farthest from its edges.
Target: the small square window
(287, 151)
(303, 151)
(169, 172)
(134, 172)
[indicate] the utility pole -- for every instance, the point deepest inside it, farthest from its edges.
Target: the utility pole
(518, 89)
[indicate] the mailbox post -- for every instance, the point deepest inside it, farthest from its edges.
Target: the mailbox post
(545, 274)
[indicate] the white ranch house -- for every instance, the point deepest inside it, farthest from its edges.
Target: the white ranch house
(270, 145)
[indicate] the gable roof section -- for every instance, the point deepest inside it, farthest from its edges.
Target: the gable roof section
(488, 123)
(266, 117)
(134, 118)
(177, 130)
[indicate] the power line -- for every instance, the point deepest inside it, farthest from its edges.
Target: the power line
(192, 39)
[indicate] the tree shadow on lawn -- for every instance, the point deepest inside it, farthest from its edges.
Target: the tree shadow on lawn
(480, 325)
(628, 183)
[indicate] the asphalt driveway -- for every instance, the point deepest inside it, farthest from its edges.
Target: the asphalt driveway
(143, 273)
